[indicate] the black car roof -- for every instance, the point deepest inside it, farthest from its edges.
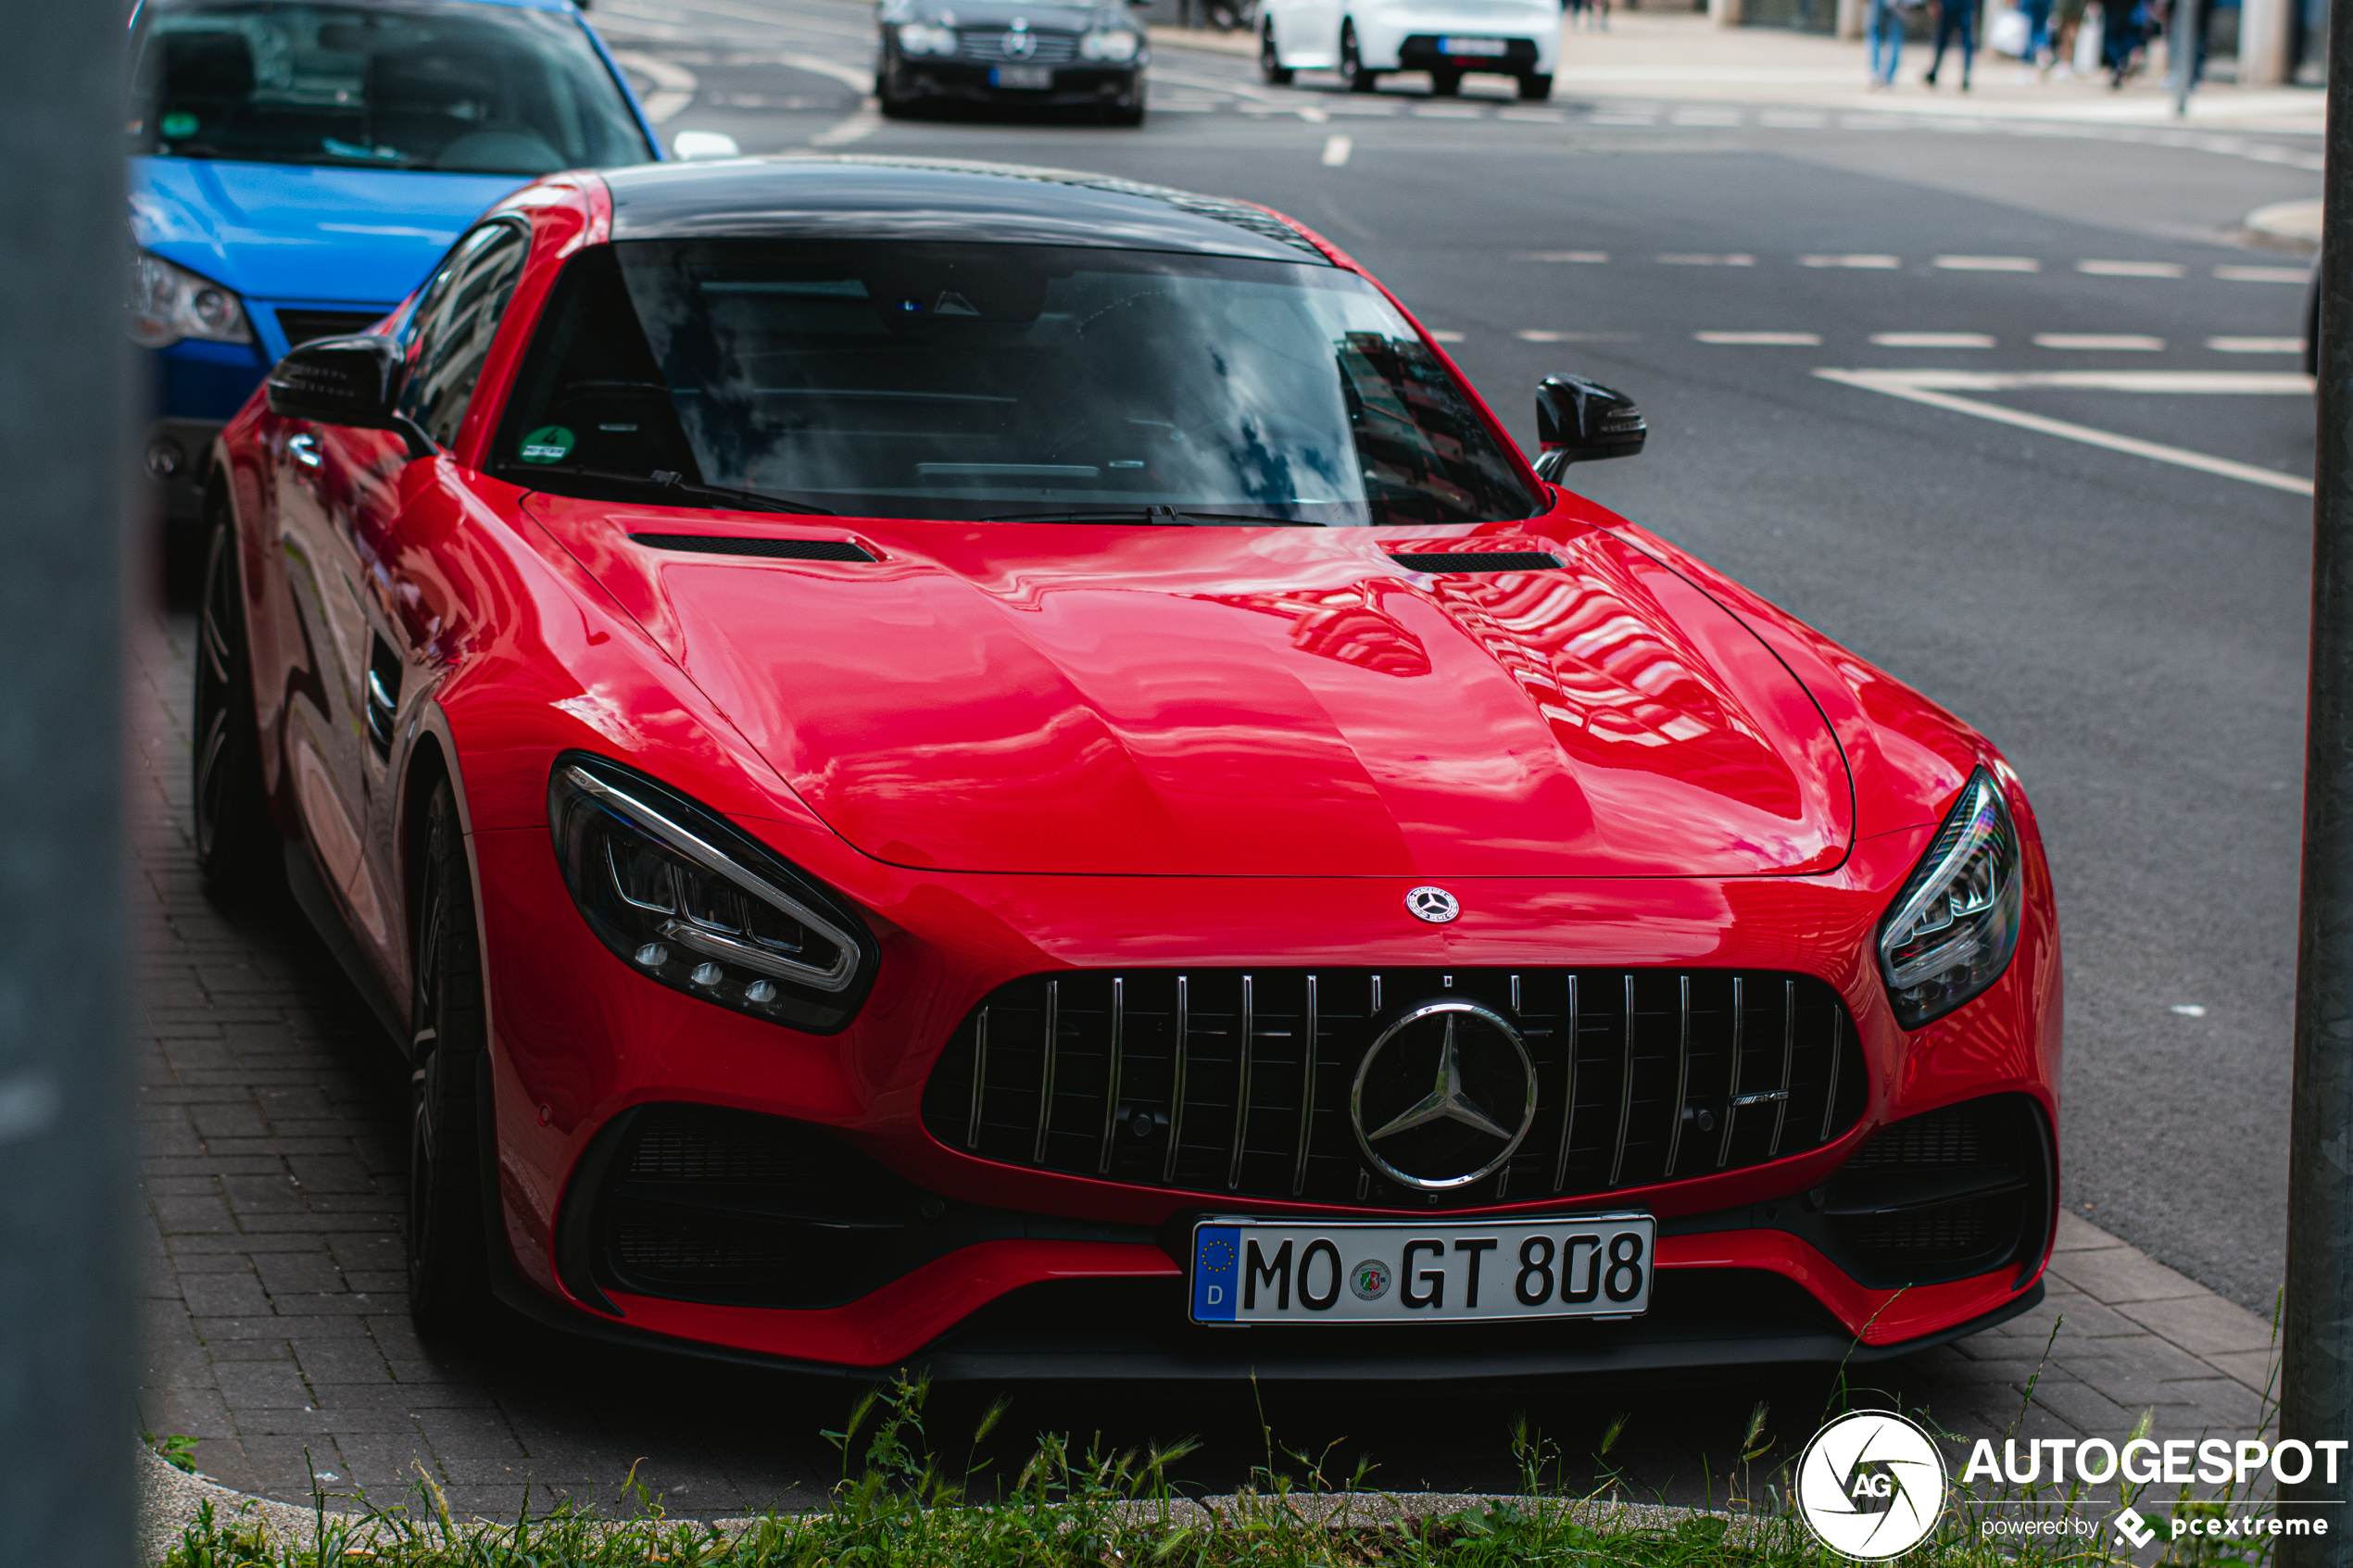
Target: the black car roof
(853, 196)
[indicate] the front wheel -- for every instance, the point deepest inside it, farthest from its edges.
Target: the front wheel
(1130, 115)
(239, 854)
(448, 1271)
(1270, 63)
(1537, 88)
(1351, 62)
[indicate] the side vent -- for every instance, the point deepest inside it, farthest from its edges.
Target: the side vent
(1469, 560)
(767, 549)
(383, 696)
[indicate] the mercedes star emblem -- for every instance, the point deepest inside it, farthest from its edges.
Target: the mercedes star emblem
(1433, 904)
(1444, 1096)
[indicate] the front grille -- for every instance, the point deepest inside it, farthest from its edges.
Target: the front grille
(989, 43)
(306, 326)
(1204, 1081)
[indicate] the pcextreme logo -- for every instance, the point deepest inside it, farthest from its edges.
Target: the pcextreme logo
(1870, 1486)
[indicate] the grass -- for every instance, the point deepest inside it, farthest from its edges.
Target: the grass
(897, 1505)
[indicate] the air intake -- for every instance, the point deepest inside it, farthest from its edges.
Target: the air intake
(767, 549)
(1469, 560)
(1943, 1196)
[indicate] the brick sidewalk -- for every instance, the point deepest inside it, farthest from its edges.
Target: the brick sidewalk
(278, 1334)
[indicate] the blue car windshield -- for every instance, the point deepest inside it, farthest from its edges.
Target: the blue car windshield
(999, 382)
(463, 88)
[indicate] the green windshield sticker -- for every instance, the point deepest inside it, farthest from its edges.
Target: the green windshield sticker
(549, 443)
(178, 124)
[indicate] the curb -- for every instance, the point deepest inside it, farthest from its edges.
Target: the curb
(1201, 41)
(2293, 227)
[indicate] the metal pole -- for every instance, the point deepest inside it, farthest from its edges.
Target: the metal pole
(66, 1415)
(2183, 47)
(2316, 1375)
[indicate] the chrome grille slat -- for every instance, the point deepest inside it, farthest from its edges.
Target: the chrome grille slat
(989, 43)
(1237, 1083)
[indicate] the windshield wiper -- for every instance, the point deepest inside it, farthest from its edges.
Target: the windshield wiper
(669, 482)
(1179, 517)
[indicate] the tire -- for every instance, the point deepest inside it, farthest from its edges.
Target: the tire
(1271, 68)
(239, 853)
(448, 1255)
(1351, 62)
(1446, 84)
(1536, 88)
(1131, 115)
(888, 103)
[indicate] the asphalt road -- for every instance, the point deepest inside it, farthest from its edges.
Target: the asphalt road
(2115, 591)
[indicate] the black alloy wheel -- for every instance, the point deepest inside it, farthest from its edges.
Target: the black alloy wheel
(1537, 88)
(1445, 84)
(1270, 63)
(448, 1271)
(1351, 62)
(239, 853)
(890, 103)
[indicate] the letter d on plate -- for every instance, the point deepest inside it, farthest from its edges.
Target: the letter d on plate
(1216, 1272)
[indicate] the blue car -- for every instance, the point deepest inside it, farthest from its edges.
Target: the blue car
(296, 169)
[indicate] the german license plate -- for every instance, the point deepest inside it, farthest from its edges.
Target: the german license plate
(1493, 47)
(1291, 1271)
(1029, 77)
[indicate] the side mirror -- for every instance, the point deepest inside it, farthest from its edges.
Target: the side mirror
(692, 147)
(1583, 422)
(347, 381)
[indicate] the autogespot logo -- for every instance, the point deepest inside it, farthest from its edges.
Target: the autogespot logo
(1870, 1486)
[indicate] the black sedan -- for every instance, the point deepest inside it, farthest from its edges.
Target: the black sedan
(938, 52)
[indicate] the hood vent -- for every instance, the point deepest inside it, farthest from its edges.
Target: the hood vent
(1469, 560)
(769, 549)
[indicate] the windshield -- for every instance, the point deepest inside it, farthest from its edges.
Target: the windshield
(997, 381)
(464, 88)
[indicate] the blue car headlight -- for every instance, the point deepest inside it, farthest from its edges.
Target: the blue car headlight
(1951, 931)
(686, 898)
(165, 303)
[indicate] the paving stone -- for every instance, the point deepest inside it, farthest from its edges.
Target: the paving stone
(2118, 1274)
(2204, 1325)
(2256, 1368)
(262, 1385)
(223, 1295)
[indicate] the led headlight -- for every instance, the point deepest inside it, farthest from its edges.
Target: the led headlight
(1951, 931)
(164, 303)
(684, 897)
(922, 38)
(1115, 45)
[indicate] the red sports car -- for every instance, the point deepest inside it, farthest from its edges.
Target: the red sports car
(989, 768)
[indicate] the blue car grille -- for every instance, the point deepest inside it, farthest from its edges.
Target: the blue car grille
(989, 43)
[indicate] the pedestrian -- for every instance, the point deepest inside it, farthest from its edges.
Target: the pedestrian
(1886, 30)
(1954, 18)
(2071, 22)
(1600, 15)
(2038, 35)
(2123, 28)
(1576, 12)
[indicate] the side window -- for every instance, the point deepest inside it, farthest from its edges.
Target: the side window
(454, 321)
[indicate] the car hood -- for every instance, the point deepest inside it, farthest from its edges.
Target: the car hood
(1242, 702)
(273, 230)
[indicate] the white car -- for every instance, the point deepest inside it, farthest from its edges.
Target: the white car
(1362, 38)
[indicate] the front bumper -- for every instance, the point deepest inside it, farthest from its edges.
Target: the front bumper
(1074, 86)
(1749, 1270)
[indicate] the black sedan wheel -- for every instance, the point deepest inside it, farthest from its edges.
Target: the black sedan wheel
(238, 851)
(1351, 62)
(1270, 64)
(449, 1288)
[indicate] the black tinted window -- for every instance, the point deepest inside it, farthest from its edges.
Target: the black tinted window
(478, 88)
(452, 326)
(1000, 381)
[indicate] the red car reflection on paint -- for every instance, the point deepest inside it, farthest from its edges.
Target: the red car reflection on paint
(1007, 771)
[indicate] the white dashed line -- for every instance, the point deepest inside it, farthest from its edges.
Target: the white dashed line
(1533, 117)
(2132, 269)
(1336, 150)
(1448, 111)
(1621, 119)
(1932, 340)
(1536, 334)
(1533, 334)
(2100, 343)
(2261, 274)
(1908, 385)
(1787, 120)
(674, 84)
(1767, 340)
(1704, 117)
(1437, 336)
(2208, 383)
(1988, 263)
(1686, 258)
(1883, 263)
(2256, 345)
(1582, 257)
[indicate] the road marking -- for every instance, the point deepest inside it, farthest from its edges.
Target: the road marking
(2132, 269)
(1622, 120)
(1785, 119)
(1437, 336)
(1448, 111)
(2236, 383)
(674, 84)
(1932, 340)
(1883, 263)
(1686, 258)
(1908, 385)
(1336, 150)
(2100, 343)
(1538, 335)
(2262, 274)
(1988, 263)
(1704, 117)
(1586, 257)
(848, 75)
(856, 128)
(2256, 345)
(1534, 117)
(1768, 340)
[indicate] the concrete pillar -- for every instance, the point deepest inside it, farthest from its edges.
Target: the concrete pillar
(1853, 14)
(2264, 30)
(1724, 13)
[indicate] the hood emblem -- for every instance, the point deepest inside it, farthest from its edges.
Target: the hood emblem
(1444, 1096)
(1433, 904)
(1019, 44)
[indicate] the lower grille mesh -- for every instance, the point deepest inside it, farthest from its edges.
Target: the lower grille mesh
(1233, 1082)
